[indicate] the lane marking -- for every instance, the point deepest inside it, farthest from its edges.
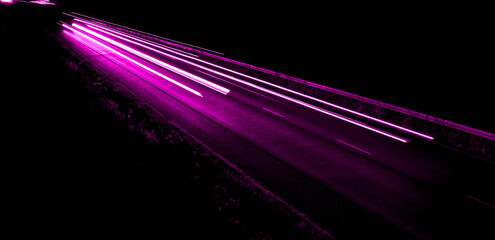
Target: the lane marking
(352, 146)
(480, 201)
(268, 110)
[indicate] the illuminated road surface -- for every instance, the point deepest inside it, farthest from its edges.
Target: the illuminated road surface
(345, 171)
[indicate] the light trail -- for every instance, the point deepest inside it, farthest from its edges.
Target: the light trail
(354, 147)
(273, 112)
(149, 34)
(313, 107)
(160, 46)
(193, 77)
(418, 134)
(481, 201)
(329, 113)
(133, 61)
(319, 100)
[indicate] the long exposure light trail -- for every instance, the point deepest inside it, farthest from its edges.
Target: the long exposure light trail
(289, 98)
(193, 77)
(133, 61)
(132, 29)
(272, 85)
(357, 123)
(97, 25)
(316, 99)
(324, 111)
(354, 147)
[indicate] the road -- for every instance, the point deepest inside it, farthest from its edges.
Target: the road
(350, 174)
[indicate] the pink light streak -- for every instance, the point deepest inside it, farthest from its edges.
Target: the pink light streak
(124, 35)
(273, 112)
(312, 98)
(6, 1)
(149, 34)
(346, 119)
(96, 25)
(133, 61)
(285, 89)
(354, 147)
(329, 113)
(43, 2)
(193, 77)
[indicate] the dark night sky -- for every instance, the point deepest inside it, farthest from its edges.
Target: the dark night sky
(427, 58)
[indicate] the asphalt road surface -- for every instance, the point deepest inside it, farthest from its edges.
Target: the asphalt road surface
(353, 176)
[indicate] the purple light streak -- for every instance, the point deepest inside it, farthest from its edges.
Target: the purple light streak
(354, 147)
(318, 100)
(193, 77)
(149, 34)
(329, 113)
(94, 24)
(151, 59)
(43, 2)
(133, 61)
(279, 87)
(273, 112)
(480, 201)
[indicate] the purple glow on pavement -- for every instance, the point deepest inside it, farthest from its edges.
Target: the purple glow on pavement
(133, 61)
(179, 71)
